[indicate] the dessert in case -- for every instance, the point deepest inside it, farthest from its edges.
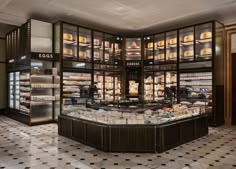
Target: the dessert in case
(160, 43)
(133, 46)
(173, 41)
(82, 55)
(67, 36)
(82, 39)
(206, 35)
(206, 51)
(150, 45)
(188, 38)
(161, 57)
(67, 51)
(173, 55)
(188, 53)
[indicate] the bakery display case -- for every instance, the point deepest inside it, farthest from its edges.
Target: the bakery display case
(186, 44)
(110, 127)
(133, 49)
(70, 42)
(75, 90)
(159, 48)
(25, 92)
(108, 85)
(43, 97)
(34, 70)
(85, 44)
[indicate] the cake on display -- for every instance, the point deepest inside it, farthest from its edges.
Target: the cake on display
(67, 51)
(173, 41)
(67, 36)
(160, 43)
(172, 56)
(160, 57)
(82, 39)
(133, 45)
(206, 52)
(82, 55)
(188, 53)
(205, 35)
(150, 45)
(188, 38)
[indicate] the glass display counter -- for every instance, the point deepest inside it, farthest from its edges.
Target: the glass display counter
(142, 128)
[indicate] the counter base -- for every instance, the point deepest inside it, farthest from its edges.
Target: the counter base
(133, 138)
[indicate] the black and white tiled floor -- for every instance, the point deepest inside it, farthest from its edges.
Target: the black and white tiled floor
(40, 147)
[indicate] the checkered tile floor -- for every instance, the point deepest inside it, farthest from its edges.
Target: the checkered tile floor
(40, 147)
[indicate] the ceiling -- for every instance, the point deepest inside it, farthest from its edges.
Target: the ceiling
(119, 16)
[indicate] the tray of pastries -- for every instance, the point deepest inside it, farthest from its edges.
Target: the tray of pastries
(172, 56)
(172, 42)
(160, 57)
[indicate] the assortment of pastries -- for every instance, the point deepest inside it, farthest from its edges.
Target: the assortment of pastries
(67, 51)
(172, 56)
(160, 57)
(159, 116)
(67, 36)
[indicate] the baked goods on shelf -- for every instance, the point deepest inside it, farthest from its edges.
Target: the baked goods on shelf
(134, 53)
(160, 43)
(67, 51)
(173, 41)
(206, 35)
(133, 45)
(82, 55)
(188, 38)
(188, 53)
(96, 42)
(172, 55)
(150, 45)
(206, 51)
(96, 55)
(67, 36)
(150, 57)
(82, 39)
(160, 57)
(107, 44)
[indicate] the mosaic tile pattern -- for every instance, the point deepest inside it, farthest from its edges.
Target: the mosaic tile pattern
(40, 147)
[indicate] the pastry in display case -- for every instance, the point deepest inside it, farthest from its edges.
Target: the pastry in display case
(69, 42)
(186, 41)
(85, 44)
(117, 46)
(98, 47)
(133, 49)
(159, 85)
(171, 46)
